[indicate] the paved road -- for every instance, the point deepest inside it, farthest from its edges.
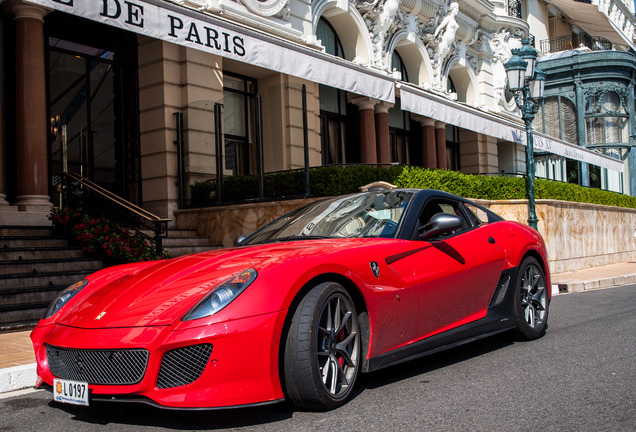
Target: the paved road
(580, 377)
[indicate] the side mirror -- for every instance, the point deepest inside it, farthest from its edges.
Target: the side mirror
(441, 223)
(239, 241)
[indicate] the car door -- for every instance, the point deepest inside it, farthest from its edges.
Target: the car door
(457, 273)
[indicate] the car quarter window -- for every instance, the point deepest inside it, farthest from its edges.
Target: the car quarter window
(480, 216)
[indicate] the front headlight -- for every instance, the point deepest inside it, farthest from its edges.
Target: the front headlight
(222, 295)
(64, 297)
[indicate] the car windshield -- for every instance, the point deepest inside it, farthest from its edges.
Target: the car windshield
(370, 214)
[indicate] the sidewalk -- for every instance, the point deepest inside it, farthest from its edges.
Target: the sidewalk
(17, 361)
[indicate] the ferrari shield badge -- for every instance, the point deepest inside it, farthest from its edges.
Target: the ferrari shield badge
(375, 268)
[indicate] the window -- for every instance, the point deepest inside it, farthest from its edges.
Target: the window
(557, 117)
(397, 65)
(333, 104)
(436, 206)
(239, 124)
(399, 131)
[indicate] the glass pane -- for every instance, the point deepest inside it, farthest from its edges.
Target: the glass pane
(68, 111)
(234, 114)
(102, 121)
(329, 99)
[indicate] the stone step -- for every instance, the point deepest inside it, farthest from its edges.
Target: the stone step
(176, 251)
(173, 232)
(35, 267)
(30, 231)
(11, 298)
(56, 253)
(24, 316)
(51, 279)
(186, 241)
(30, 242)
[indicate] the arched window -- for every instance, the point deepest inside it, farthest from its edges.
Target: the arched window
(333, 103)
(606, 119)
(397, 65)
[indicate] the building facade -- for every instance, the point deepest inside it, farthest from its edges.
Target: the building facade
(148, 97)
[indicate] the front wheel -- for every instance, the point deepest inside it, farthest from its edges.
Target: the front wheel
(322, 350)
(531, 300)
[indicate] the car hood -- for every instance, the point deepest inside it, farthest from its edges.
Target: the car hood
(163, 293)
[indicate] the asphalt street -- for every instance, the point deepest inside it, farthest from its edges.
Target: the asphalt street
(580, 377)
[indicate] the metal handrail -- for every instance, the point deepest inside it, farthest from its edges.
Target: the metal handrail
(134, 217)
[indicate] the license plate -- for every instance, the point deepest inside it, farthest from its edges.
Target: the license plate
(71, 392)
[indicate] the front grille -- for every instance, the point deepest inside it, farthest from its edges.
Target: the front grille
(98, 366)
(183, 366)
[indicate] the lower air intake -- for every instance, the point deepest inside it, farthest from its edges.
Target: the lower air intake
(183, 366)
(107, 367)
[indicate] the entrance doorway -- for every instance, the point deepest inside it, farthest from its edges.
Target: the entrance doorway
(93, 112)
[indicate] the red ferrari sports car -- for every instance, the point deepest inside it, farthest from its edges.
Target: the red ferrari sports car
(298, 309)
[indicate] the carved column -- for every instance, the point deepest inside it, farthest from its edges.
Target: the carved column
(31, 124)
(382, 136)
(429, 149)
(440, 144)
(366, 114)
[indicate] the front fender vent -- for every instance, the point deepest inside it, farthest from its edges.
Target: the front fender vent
(183, 366)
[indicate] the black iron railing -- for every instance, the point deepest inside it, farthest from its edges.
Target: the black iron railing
(583, 40)
(80, 191)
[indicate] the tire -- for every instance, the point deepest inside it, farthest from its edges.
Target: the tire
(531, 303)
(322, 349)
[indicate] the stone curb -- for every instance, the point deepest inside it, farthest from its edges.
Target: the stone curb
(17, 377)
(608, 282)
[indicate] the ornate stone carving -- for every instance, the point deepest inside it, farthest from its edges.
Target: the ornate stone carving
(267, 7)
(383, 19)
(499, 44)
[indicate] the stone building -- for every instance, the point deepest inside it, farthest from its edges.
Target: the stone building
(146, 97)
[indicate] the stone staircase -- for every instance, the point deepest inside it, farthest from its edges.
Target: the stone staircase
(35, 266)
(184, 242)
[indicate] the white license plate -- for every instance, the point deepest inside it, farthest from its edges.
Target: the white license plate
(71, 392)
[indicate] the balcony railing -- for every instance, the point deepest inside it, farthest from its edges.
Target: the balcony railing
(583, 40)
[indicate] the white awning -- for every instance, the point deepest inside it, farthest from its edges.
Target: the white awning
(590, 18)
(427, 104)
(197, 30)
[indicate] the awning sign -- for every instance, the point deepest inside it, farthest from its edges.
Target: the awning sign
(190, 28)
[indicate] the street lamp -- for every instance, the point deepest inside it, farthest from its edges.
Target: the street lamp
(526, 82)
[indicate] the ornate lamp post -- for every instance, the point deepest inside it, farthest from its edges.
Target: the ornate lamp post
(526, 82)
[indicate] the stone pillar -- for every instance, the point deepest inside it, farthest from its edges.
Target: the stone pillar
(429, 149)
(368, 146)
(31, 122)
(440, 144)
(478, 153)
(382, 136)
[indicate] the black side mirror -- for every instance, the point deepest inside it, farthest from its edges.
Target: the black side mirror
(441, 223)
(239, 241)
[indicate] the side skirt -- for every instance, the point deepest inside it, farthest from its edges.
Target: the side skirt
(498, 319)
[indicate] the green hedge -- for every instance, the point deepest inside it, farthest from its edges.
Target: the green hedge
(339, 180)
(324, 181)
(504, 188)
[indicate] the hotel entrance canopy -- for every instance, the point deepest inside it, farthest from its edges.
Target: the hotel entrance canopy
(188, 27)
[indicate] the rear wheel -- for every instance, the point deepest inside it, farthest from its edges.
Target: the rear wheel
(322, 350)
(531, 300)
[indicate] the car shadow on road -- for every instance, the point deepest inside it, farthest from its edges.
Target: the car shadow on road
(108, 413)
(432, 362)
